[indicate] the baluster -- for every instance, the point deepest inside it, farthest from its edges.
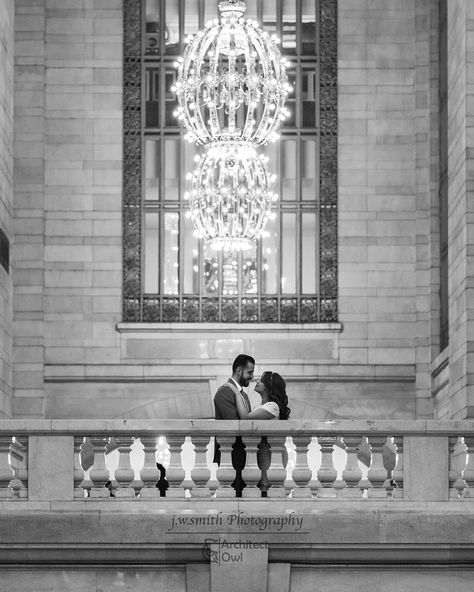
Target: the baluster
(124, 473)
(200, 473)
(99, 473)
(469, 470)
(251, 474)
(327, 473)
(276, 474)
(389, 462)
(149, 473)
(289, 462)
(188, 461)
(339, 453)
(239, 457)
(86, 460)
(397, 474)
(78, 470)
(136, 455)
(314, 462)
(112, 457)
(162, 462)
(264, 459)
(457, 465)
(19, 465)
(175, 473)
(352, 474)
(301, 473)
(364, 457)
(6, 471)
(377, 474)
(225, 472)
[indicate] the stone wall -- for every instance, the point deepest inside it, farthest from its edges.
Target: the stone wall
(195, 577)
(6, 200)
(70, 358)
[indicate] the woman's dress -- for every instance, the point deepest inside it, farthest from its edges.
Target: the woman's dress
(271, 407)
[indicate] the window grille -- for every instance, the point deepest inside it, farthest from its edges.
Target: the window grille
(168, 274)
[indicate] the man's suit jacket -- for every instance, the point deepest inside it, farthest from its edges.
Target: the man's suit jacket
(226, 408)
(224, 402)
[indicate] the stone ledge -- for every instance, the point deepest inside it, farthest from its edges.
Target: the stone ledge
(211, 427)
(368, 533)
(124, 556)
(224, 328)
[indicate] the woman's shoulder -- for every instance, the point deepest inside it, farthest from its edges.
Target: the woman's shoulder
(272, 408)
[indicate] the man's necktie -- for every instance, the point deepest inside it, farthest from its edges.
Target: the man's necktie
(246, 399)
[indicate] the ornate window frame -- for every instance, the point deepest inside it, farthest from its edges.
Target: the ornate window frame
(136, 308)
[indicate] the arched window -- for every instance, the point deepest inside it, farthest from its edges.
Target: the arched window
(168, 274)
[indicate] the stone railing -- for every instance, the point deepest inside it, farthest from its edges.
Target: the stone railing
(296, 460)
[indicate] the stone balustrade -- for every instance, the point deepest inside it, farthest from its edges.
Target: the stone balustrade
(294, 460)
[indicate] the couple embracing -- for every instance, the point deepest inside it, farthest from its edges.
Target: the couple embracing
(232, 402)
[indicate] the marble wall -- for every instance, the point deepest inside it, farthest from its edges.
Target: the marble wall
(6, 200)
(71, 359)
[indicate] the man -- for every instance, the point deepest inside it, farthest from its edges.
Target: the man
(226, 408)
(224, 399)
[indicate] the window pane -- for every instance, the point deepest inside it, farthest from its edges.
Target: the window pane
(249, 271)
(308, 27)
(308, 253)
(190, 152)
(152, 16)
(289, 27)
(171, 154)
(151, 252)
(171, 254)
(289, 170)
(230, 283)
(191, 20)
(152, 170)
(171, 101)
(270, 246)
(172, 26)
(251, 11)
(269, 12)
(309, 172)
(288, 253)
(152, 97)
(190, 257)
(308, 98)
(211, 271)
(290, 121)
(210, 10)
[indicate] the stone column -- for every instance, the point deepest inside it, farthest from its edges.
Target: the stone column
(29, 174)
(461, 207)
(6, 198)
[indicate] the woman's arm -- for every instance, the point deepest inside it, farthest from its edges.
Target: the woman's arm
(257, 414)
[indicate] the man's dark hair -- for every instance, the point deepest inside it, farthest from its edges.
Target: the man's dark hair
(241, 361)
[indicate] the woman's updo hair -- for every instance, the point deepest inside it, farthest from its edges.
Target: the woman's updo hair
(276, 388)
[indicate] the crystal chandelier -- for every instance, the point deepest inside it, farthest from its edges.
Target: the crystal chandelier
(230, 196)
(231, 89)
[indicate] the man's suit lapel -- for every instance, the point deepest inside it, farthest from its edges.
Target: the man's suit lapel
(239, 393)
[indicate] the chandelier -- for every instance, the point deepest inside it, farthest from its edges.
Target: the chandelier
(230, 196)
(231, 90)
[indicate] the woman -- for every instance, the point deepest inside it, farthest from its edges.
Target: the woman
(272, 388)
